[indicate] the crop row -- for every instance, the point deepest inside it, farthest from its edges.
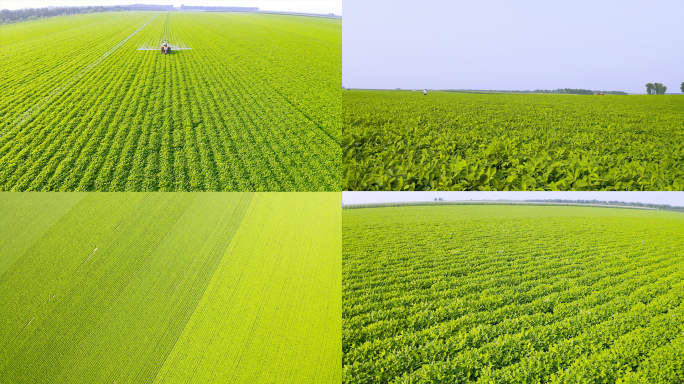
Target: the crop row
(248, 108)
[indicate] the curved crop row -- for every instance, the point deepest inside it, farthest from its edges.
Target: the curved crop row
(508, 294)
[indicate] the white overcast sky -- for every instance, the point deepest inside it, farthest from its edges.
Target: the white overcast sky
(671, 198)
(611, 45)
(308, 6)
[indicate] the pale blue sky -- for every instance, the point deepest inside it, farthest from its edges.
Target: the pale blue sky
(513, 44)
(671, 198)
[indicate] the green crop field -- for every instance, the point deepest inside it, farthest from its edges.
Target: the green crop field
(253, 106)
(403, 140)
(170, 288)
(512, 294)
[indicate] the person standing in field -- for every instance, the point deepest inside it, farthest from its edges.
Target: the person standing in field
(424, 91)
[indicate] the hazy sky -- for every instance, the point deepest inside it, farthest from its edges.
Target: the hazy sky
(513, 44)
(671, 198)
(310, 6)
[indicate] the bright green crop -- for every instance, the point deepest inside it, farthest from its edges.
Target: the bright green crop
(170, 288)
(512, 294)
(253, 106)
(399, 140)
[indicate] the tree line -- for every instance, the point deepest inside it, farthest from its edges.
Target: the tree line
(574, 91)
(440, 201)
(655, 89)
(659, 88)
(11, 16)
(665, 207)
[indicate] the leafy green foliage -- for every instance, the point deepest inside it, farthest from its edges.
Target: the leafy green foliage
(398, 140)
(655, 89)
(130, 287)
(510, 294)
(254, 106)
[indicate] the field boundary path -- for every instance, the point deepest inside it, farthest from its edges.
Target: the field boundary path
(71, 81)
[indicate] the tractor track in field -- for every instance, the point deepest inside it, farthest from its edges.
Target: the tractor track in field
(165, 34)
(71, 81)
(320, 128)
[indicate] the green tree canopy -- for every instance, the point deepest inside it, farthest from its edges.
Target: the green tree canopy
(655, 89)
(649, 88)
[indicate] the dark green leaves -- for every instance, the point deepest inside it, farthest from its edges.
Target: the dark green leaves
(457, 141)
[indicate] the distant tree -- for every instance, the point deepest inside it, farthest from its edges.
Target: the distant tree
(659, 88)
(682, 87)
(573, 91)
(649, 88)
